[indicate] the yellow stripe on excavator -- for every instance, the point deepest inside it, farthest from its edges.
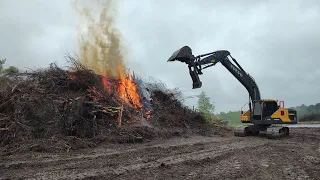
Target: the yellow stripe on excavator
(246, 116)
(284, 117)
(276, 115)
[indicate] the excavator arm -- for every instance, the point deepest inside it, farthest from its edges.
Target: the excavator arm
(197, 63)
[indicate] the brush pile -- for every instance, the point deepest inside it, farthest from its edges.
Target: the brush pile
(170, 112)
(54, 109)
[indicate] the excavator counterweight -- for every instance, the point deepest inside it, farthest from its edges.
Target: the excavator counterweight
(263, 114)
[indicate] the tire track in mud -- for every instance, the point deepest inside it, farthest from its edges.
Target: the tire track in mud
(179, 154)
(16, 167)
(183, 158)
(221, 151)
(43, 161)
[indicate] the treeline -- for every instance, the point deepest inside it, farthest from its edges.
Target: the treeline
(304, 110)
(308, 113)
(305, 113)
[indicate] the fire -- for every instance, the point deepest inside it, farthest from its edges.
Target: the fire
(127, 88)
(128, 92)
(106, 84)
(100, 49)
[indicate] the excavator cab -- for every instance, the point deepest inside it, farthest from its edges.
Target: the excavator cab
(269, 111)
(269, 107)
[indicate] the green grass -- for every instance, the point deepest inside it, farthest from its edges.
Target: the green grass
(234, 122)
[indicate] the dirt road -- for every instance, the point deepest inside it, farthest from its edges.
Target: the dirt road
(229, 157)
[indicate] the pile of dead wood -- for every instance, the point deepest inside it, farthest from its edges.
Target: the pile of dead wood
(170, 112)
(54, 102)
(53, 108)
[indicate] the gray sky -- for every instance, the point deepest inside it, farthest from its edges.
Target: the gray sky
(277, 42)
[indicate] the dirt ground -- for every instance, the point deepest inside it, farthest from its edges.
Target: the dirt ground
(195, 157)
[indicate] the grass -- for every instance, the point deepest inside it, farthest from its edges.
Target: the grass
(234, 122)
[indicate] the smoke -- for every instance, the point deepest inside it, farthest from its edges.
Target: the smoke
(98, 38)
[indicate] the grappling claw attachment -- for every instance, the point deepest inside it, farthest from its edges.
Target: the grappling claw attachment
(185, 55)
(195, 63)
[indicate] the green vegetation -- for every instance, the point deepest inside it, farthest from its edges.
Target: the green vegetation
(308, 113)
(304, 110)
(7, 71)
(205, 106)
(233, 117)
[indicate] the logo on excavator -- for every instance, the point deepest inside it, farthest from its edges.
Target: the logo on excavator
(236, 70)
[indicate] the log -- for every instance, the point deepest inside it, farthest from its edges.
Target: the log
(120, 116)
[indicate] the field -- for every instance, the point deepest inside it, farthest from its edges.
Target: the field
(181, 157)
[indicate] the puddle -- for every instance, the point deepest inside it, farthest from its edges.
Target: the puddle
(304, 126)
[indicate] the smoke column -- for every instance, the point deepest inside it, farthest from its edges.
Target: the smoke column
(98, 39)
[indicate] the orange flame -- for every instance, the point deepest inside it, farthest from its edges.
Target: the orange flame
(106, 84)
(100, 48)
(128, 92)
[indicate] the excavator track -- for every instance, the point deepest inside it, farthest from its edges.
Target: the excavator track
(241, 131)
(271, 132)
(277, 132)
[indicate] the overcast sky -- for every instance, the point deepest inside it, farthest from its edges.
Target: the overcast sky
(277, 42)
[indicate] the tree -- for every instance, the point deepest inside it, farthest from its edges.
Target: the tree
(8, 71)
(205, 106)
(2, 61)
(317, 106)
(311, 109)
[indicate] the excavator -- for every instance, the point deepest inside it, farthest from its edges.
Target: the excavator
(264, 116)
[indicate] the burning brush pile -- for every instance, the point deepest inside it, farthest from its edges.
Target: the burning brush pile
(94, 101)
(52, 109)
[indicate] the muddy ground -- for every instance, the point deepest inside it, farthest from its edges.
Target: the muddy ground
(194, 157)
